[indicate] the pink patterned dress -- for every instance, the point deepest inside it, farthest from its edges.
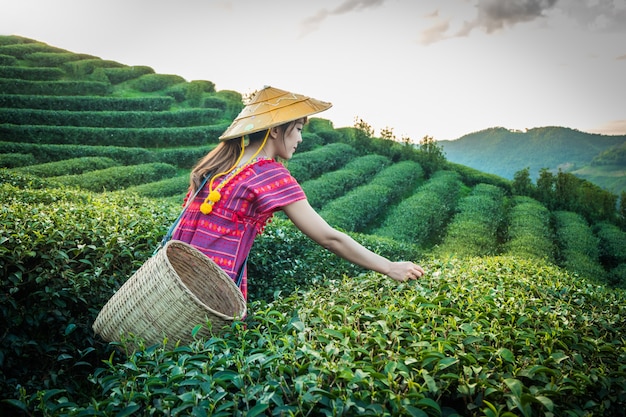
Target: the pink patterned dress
(248, 202)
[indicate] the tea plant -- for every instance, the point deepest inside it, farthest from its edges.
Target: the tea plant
(475, 230)
(529, 230)
(421, 218)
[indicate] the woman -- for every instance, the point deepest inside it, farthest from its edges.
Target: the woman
(236, 189)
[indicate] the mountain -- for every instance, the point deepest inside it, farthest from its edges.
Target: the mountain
(503, 152)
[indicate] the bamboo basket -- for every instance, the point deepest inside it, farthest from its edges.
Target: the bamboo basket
(176, 289)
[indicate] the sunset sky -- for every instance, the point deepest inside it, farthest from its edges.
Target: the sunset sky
(438, 68)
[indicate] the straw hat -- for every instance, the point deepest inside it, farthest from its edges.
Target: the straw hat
(272, 107)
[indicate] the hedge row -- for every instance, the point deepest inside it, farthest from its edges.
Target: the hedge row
(31, 74)
(71, 166)
(364, 206)
(612, 247)
(21, 50)
(54, 59)
(14, 160)
(51, 153)
(530, 233)
(8, 60)
(308, 165)
(578, 246)
(54, 88)
(86, 103)
(141, 138)
(283, 260)
(155, 82)
(471, 176)
(475, 229)
(117, 119)
(421, 218)
(120, 177)
(63, 252)
(175, 186)
(332, 184)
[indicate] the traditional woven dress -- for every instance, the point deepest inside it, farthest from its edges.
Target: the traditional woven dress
(249, 199)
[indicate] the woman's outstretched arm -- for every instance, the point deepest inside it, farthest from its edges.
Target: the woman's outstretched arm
(314, 226)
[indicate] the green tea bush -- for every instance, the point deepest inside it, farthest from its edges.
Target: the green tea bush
(21, 50)
(12, 160)
(578, 247)
(95, 136)
(74, 103)
(116, 178)
(120, 75)
(283, 259)
(332, 184)
(63, 253)
(69, 166)
(186, 157)
(54, 88)
(475, 230)
(308, 165)
(360, 209)
(479, 337)
(471, 177)
(612, 246)
(309, 142)
(33, 74)
(155, 82)
(530, 234)
(421, 218)
(83, 67)
(54, 59)
(175, 186)
(50, 153)
(116, 119)
(8, 60)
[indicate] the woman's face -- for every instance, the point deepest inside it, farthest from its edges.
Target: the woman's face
(291, 137)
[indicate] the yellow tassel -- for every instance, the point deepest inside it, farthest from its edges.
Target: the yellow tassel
(206, 208)
(214, 196)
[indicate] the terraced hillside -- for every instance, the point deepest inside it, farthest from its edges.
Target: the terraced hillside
(522, 310)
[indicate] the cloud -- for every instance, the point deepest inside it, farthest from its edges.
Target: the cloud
(599, 15)
(621, 57)
(494, 15)
(614, 127)
(312, 23)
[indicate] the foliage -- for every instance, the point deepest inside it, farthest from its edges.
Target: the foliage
(475, 230)
(13, 160)
(85, 103)
(154, 82)
(421, 218)
(365, 206)
(475, 338)
(432, 155)
(63, 253)
(119, 177)
(71, 166)
(333, 184)
(578, 246)
(530, 233)
(472, 177)
(110, 136)
(309, 165)
(54, 88)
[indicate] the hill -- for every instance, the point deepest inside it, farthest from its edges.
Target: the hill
(503, 152)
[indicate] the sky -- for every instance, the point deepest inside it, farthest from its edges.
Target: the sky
(441, 68)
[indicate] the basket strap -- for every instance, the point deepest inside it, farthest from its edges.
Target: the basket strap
(170, 232)
(243, 267)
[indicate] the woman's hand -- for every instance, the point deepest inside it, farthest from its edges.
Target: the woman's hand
(405, 271)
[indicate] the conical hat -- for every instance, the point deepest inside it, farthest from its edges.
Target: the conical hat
(272, 107)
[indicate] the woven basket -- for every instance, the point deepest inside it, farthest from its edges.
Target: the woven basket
(173, 291)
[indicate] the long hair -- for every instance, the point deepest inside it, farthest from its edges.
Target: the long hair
(226, 154)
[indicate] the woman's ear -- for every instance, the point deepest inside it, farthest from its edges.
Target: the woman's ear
(274, 132)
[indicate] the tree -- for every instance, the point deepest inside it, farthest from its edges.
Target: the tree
(387, 133)
(432, 155)
(363, 127)
(544, 191)
(522, 184)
